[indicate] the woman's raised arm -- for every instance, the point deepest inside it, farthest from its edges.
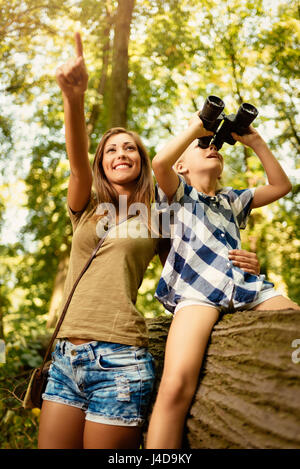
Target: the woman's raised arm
(72, 79)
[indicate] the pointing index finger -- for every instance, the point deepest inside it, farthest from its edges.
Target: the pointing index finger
(78, 44)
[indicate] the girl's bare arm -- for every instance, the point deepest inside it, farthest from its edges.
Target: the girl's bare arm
(278, 182)
(72, 78)
(163, 162)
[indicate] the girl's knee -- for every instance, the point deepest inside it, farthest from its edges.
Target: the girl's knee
(176, 391)
(277, 303)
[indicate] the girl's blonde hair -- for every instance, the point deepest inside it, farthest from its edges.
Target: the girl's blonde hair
(144, 191)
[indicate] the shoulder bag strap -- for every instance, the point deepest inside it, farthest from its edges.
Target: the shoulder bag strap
(59, 323)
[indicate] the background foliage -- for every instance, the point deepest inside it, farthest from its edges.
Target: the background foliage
(179, 52)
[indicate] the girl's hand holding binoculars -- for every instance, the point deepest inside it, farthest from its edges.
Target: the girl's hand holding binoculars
(197, 123)
(251, 139)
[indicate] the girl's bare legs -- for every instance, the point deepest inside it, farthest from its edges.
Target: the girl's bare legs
(100, 436)
(64, 427)
(61, 426)
(277, 302)
(185, 348)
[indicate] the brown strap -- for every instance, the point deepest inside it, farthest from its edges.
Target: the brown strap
(59, 323)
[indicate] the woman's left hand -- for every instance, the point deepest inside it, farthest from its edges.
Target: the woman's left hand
(245, 260)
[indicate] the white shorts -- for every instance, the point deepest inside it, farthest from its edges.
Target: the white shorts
(262, 296)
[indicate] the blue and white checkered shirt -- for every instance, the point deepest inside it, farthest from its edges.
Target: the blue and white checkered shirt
(203, 229)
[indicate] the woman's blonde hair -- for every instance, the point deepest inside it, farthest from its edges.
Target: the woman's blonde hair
(105, 192)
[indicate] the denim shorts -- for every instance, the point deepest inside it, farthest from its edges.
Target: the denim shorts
(112, 383)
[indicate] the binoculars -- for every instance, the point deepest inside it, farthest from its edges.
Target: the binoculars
(212, 116)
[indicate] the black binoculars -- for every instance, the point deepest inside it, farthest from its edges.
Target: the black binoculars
(212, 116)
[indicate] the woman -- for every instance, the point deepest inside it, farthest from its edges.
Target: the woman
(102, 374)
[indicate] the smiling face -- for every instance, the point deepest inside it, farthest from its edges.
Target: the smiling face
(121, 160)
(122, 167)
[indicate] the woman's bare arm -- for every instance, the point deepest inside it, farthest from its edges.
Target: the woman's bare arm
(245, 260)
(72, 79)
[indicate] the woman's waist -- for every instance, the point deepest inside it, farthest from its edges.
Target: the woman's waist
(78, 341)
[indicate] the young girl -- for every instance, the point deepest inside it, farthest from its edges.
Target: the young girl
(199, 280)
(102, 374)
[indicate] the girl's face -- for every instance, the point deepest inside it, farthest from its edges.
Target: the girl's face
(197, 160)
(121, 160)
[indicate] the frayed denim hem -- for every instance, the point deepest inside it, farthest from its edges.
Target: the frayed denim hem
(60, 400)
(97, 418)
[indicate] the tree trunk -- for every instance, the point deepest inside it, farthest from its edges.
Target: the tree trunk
(106, 48)
(119, 75)
(57, 293)
(249, 387)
